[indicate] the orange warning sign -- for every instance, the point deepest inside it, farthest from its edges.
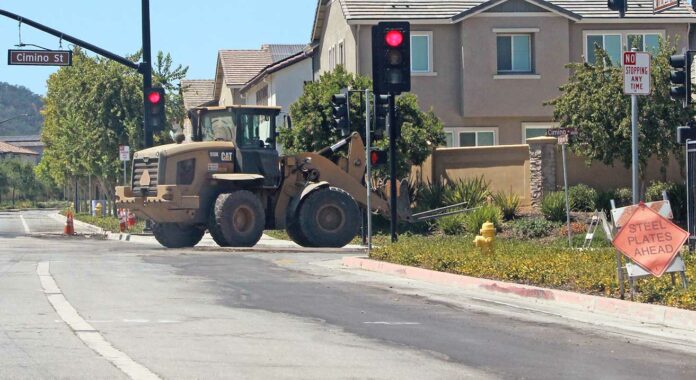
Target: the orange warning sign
(650, 240)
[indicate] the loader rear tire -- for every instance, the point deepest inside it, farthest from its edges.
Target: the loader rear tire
(328, 218)
(215, 231)
(240, 217)
(173, 235)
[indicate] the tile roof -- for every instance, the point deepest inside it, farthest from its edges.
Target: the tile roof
(449, 9)
(10, 139)
(307, 52)
(636, 9)
(239, 66)
(196, 92)
(6, 148)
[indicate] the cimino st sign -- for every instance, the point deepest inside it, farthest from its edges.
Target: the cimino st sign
(39, 57)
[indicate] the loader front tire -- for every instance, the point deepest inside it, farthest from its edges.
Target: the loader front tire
(240, 217)
(173, 235)
(328, 218)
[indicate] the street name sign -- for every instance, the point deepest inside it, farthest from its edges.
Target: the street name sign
(39, 57)
(124, 152)
(636, 68)
(663, 5)
(650, 240)
(557, 132)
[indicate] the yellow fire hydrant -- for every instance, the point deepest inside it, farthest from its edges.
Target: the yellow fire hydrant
(98, 210)
(487, 237)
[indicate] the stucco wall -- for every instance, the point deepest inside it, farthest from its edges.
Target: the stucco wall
(226, 97)
(485, 96)
(336, 29)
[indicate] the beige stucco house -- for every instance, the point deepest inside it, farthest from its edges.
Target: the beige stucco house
(487, 67)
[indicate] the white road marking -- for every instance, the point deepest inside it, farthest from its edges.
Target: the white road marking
(136, 320)
(392, 323)
(87, 334)
(24, 223)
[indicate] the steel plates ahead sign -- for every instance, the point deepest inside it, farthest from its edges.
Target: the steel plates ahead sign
(650, 240)
(124, 152)
(39, 57)
(636, 68)
(663, 5)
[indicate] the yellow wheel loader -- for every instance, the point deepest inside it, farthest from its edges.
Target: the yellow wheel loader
(231, 181)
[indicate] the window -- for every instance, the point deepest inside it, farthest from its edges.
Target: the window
(531, 130)
(332, 58)
(255, 131)
(644, 42)
(262, 96)
(341, 54)
(617, 42)
(470, 137)
(609, 42)
(421, 52)
(514, 53)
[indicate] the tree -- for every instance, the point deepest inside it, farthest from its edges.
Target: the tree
(593, 102)
(312, 118)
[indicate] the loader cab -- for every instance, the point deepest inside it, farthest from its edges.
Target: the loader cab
(253, 132)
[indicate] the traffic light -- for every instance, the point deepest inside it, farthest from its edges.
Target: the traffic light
(680, 77)
(381, 114)
(378, 157)
(686, 133)
(391, 57)
(620, 6)
(154, 96)
(341, 114)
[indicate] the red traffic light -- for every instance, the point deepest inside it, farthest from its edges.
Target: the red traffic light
(154, 97)
(394, 38)
(378, 157)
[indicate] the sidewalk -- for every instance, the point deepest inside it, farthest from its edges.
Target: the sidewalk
(539, 299)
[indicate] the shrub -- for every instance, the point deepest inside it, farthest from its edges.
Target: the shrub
(553, 206)
(623, 197)
(582, 197)
(532, 228)
(472, 191)
(486, 213)
(676, 192)
(452, 224)
(429, 196)
(604, 199)
(654, 191)
(508, 204)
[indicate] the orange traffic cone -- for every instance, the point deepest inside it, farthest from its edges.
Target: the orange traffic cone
(69, 228)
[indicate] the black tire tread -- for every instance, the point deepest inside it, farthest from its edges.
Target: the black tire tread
(308, 229)
(225, 203)
(173, 235)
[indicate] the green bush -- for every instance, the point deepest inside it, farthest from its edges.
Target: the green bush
(472, 191)
(623, 197)
(428, 196)
(532, 228)
(553, 206)
(452, 224)
(483, 214)
(676, 192)
(604, 198)
(582, 197)
(507, 203)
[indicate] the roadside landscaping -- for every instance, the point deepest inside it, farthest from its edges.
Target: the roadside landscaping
(109, 223)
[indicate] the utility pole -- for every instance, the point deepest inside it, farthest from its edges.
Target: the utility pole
(14, 118)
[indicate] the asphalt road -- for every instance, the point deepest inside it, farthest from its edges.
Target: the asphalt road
(83, 308)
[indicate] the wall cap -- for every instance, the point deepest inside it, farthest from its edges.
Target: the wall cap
(542, 140)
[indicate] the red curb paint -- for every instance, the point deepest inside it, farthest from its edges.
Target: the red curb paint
(634, 311)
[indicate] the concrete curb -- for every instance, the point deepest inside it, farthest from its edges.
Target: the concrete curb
(638, 312)
(79, 224)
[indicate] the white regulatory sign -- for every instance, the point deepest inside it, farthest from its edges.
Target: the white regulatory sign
(636, 69)
(124, 152)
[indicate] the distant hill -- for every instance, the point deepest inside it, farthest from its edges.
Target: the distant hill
(17, 101)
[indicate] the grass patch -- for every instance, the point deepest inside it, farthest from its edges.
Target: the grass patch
(528, 262)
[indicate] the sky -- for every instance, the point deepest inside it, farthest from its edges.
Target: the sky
(192, 31)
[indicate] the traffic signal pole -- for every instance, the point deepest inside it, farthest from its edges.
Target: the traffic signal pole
(145, 68)
(393, 221)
